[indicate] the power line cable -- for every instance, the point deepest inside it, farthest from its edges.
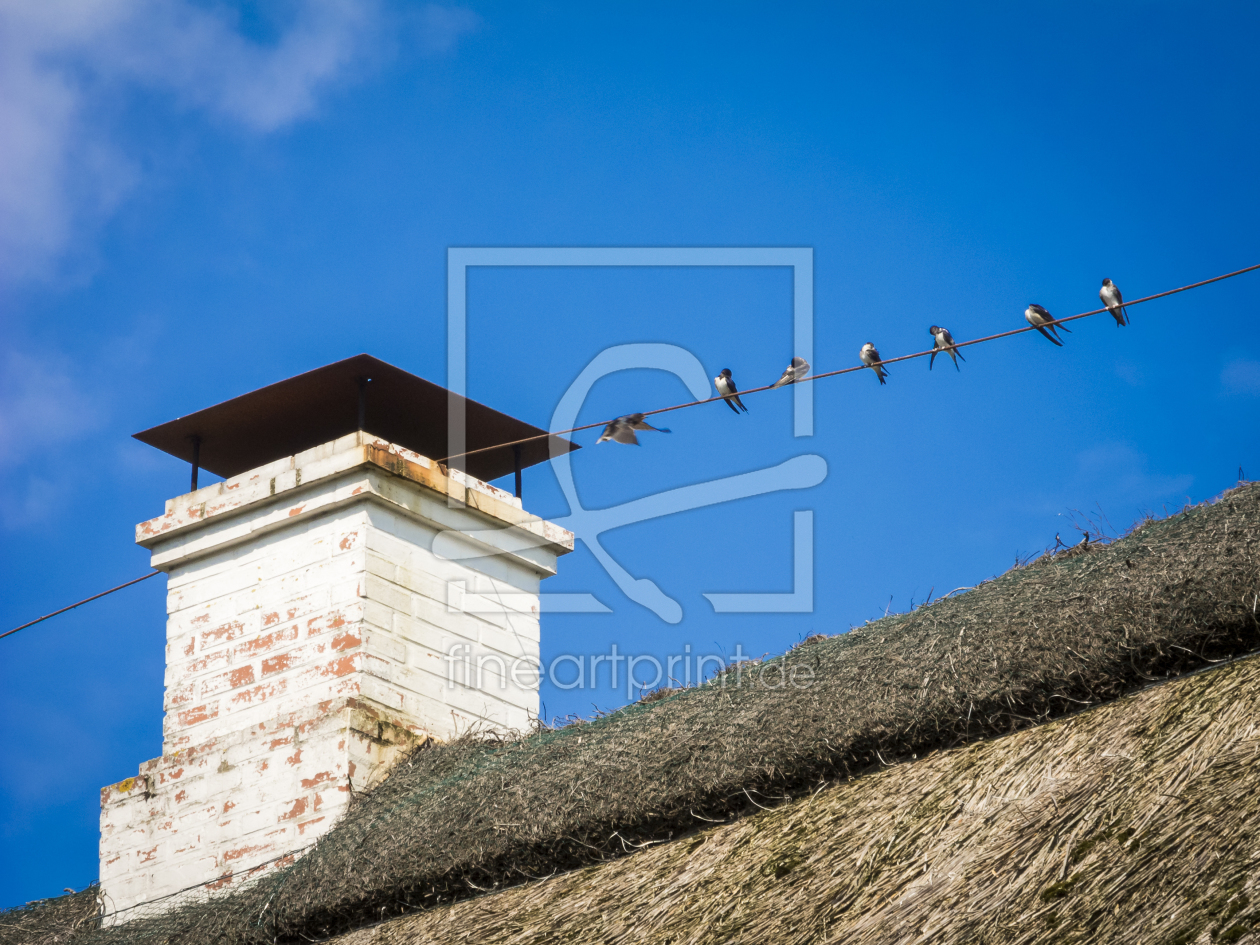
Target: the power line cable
(208, 882)
(86, 600)
(742, 393)
(850, 370)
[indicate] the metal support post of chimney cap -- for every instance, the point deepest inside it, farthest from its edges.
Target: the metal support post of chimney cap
(321, 405)
(516, 457)
(196, 460)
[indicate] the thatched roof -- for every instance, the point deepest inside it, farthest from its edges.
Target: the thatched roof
(1137, 822)
(1035, 644)
(56, 921)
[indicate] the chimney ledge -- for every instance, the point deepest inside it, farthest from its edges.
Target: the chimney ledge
(358, 467)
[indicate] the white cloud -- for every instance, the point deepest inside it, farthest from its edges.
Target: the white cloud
(42, 405)
(438, 29)
(1241, 376)
(62, 61)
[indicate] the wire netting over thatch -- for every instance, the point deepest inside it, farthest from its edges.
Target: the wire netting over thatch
(1036, 643)
(1134, 823)
(51, 921)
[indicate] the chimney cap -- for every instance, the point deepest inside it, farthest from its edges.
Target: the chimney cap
(321, 405)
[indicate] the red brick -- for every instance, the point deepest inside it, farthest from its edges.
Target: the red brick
(201, 713)
(244, 851)
(300, 606)
(349, 686)
(346, 641)
(309, 823)
(297, 810)
(259, 693)
(329, 621)
(222, 634)
(267, 642)
(232, 679)
(211, 661)
(341, 667)
(277, 664)
(324, 777)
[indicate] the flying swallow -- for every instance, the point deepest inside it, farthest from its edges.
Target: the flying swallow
(871, 358)
(730, 393)
(1039, 318)
(1111, 297)
(622, 429)
(798, 369)
(944, 342)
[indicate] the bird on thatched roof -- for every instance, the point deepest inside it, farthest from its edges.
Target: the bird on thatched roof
(1111, 297)
(1040, 319)
(944, 342)
(730, 393)
(871, 358)
(622, 429)
(798, 369)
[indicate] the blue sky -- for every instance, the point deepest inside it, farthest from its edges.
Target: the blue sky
(200, 198)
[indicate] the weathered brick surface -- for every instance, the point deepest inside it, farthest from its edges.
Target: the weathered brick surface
(311, 630)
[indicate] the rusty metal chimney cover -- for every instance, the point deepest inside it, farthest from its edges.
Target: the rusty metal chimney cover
(321, 405)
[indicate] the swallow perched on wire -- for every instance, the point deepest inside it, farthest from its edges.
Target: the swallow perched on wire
(730, 393)
(798, 369)
(622, 429)
(1040, 319)
(1111, 297)
(944, 342)
(871, 358)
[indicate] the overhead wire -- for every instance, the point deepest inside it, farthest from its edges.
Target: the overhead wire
(86, 600)
(217, 879)
(850, 370)
(742, 393)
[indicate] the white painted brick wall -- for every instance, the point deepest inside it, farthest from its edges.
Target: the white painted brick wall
(309, 629)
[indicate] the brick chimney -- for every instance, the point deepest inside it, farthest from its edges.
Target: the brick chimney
(313, 634)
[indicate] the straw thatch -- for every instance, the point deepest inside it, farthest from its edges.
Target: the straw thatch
(1035, 644)
(56, 921)
(1138, 822)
